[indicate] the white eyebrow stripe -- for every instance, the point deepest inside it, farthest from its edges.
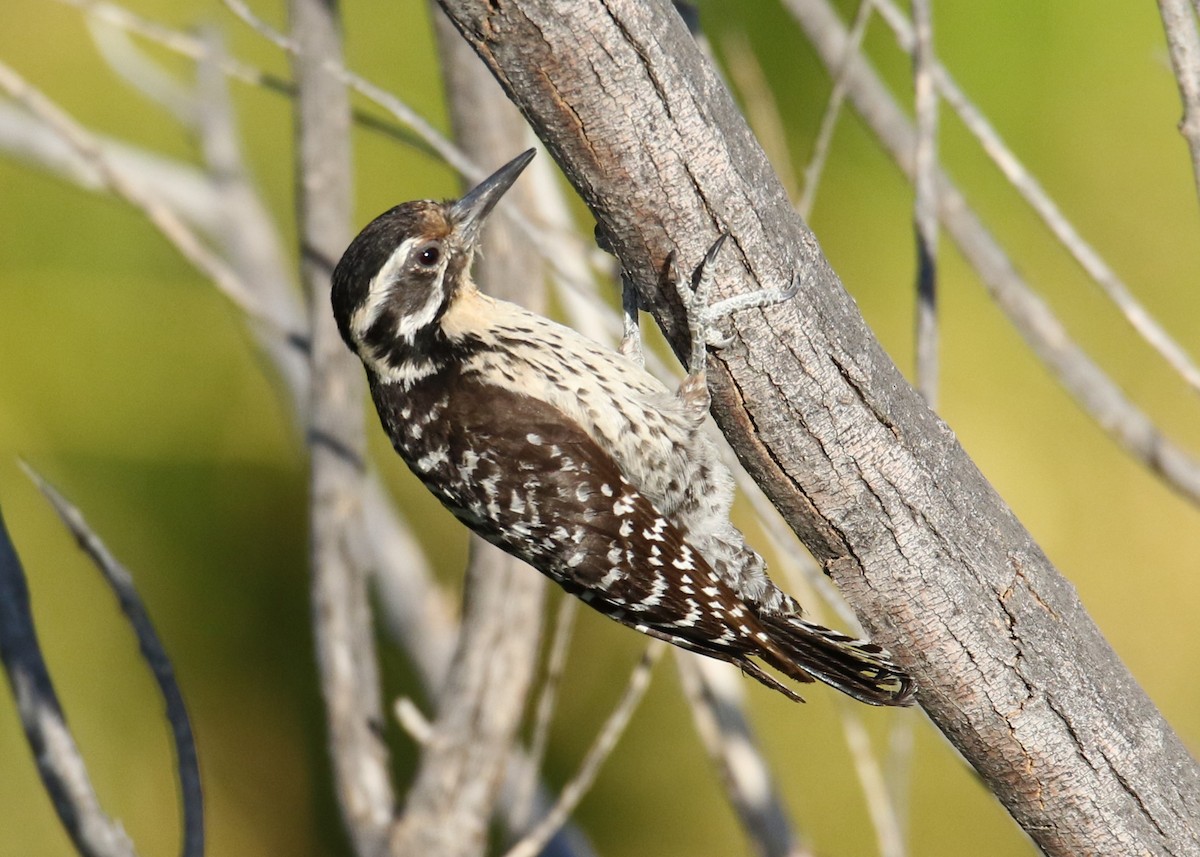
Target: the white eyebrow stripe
(377, 291)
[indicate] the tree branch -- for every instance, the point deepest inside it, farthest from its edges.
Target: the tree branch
(1135, 313)
(121, 582)
(1009, 664)
(341, 612)
(713, 690)
(58, 759)
(925, 160)
(1183, 43)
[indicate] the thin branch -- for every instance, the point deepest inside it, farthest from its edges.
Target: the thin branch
(140, 72)
(897, 771)
(181, 186)
(610, 733)
(889, 831)
(346, 655)
(438, 142)
(761, 109)
(183, 44)
(925, 160)
(121, 582)
(168, 223)
(714, 692)
(1048, 338)
(58, 759)
(416, 611)
(521, 811)
(1183, 44)
(246, 230)
(1086, 256)
(833, 109)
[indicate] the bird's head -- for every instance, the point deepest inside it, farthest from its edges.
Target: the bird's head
(401, 273)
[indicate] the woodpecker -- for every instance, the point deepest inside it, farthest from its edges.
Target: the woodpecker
(569, 455)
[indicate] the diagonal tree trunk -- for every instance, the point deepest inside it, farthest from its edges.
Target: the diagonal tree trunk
(1009, 664)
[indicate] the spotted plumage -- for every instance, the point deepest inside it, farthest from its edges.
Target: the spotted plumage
(569, 455)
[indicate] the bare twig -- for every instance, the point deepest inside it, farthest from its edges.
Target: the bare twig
(413, 721)
(341, 612)
(897, 770)
(521, 812)
(761, 109)
(1086, 256)
(58, 759)
(1183, 43)
(925, 160)
(416, 611)
(438, 142)
(714, 691)
(181, 186)
(121, 582)
(183, 44)
(610, 733)
(1087, 383)
(889, 830)
(833, 109)
(246, 231)
(168, 223)
(140, 72)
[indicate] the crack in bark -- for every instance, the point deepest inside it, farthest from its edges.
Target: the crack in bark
(660, 89)
(848, 375)
(1129, 789)
(827, 541)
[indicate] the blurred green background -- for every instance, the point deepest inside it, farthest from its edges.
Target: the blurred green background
(129, 383)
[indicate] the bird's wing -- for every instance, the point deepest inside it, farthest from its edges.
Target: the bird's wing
(545, 491)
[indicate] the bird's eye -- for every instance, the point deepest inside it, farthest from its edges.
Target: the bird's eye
(429, 255)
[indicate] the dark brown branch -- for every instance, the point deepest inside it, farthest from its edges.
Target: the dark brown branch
(341, 612)
(1009, 664)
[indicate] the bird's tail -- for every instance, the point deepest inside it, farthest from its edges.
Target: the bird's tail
(863, 670)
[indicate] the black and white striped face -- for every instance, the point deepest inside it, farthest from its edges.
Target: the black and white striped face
(396, 279)
(400, 274)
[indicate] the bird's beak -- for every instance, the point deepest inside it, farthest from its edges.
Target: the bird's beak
(468, 213)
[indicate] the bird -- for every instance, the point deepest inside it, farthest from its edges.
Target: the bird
(569, 455)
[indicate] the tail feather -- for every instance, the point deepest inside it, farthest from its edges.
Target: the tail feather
(863, 670)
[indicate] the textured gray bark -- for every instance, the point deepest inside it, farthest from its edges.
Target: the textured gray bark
(1010, 666)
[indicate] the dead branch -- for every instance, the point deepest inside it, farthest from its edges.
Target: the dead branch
(1010, 666)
